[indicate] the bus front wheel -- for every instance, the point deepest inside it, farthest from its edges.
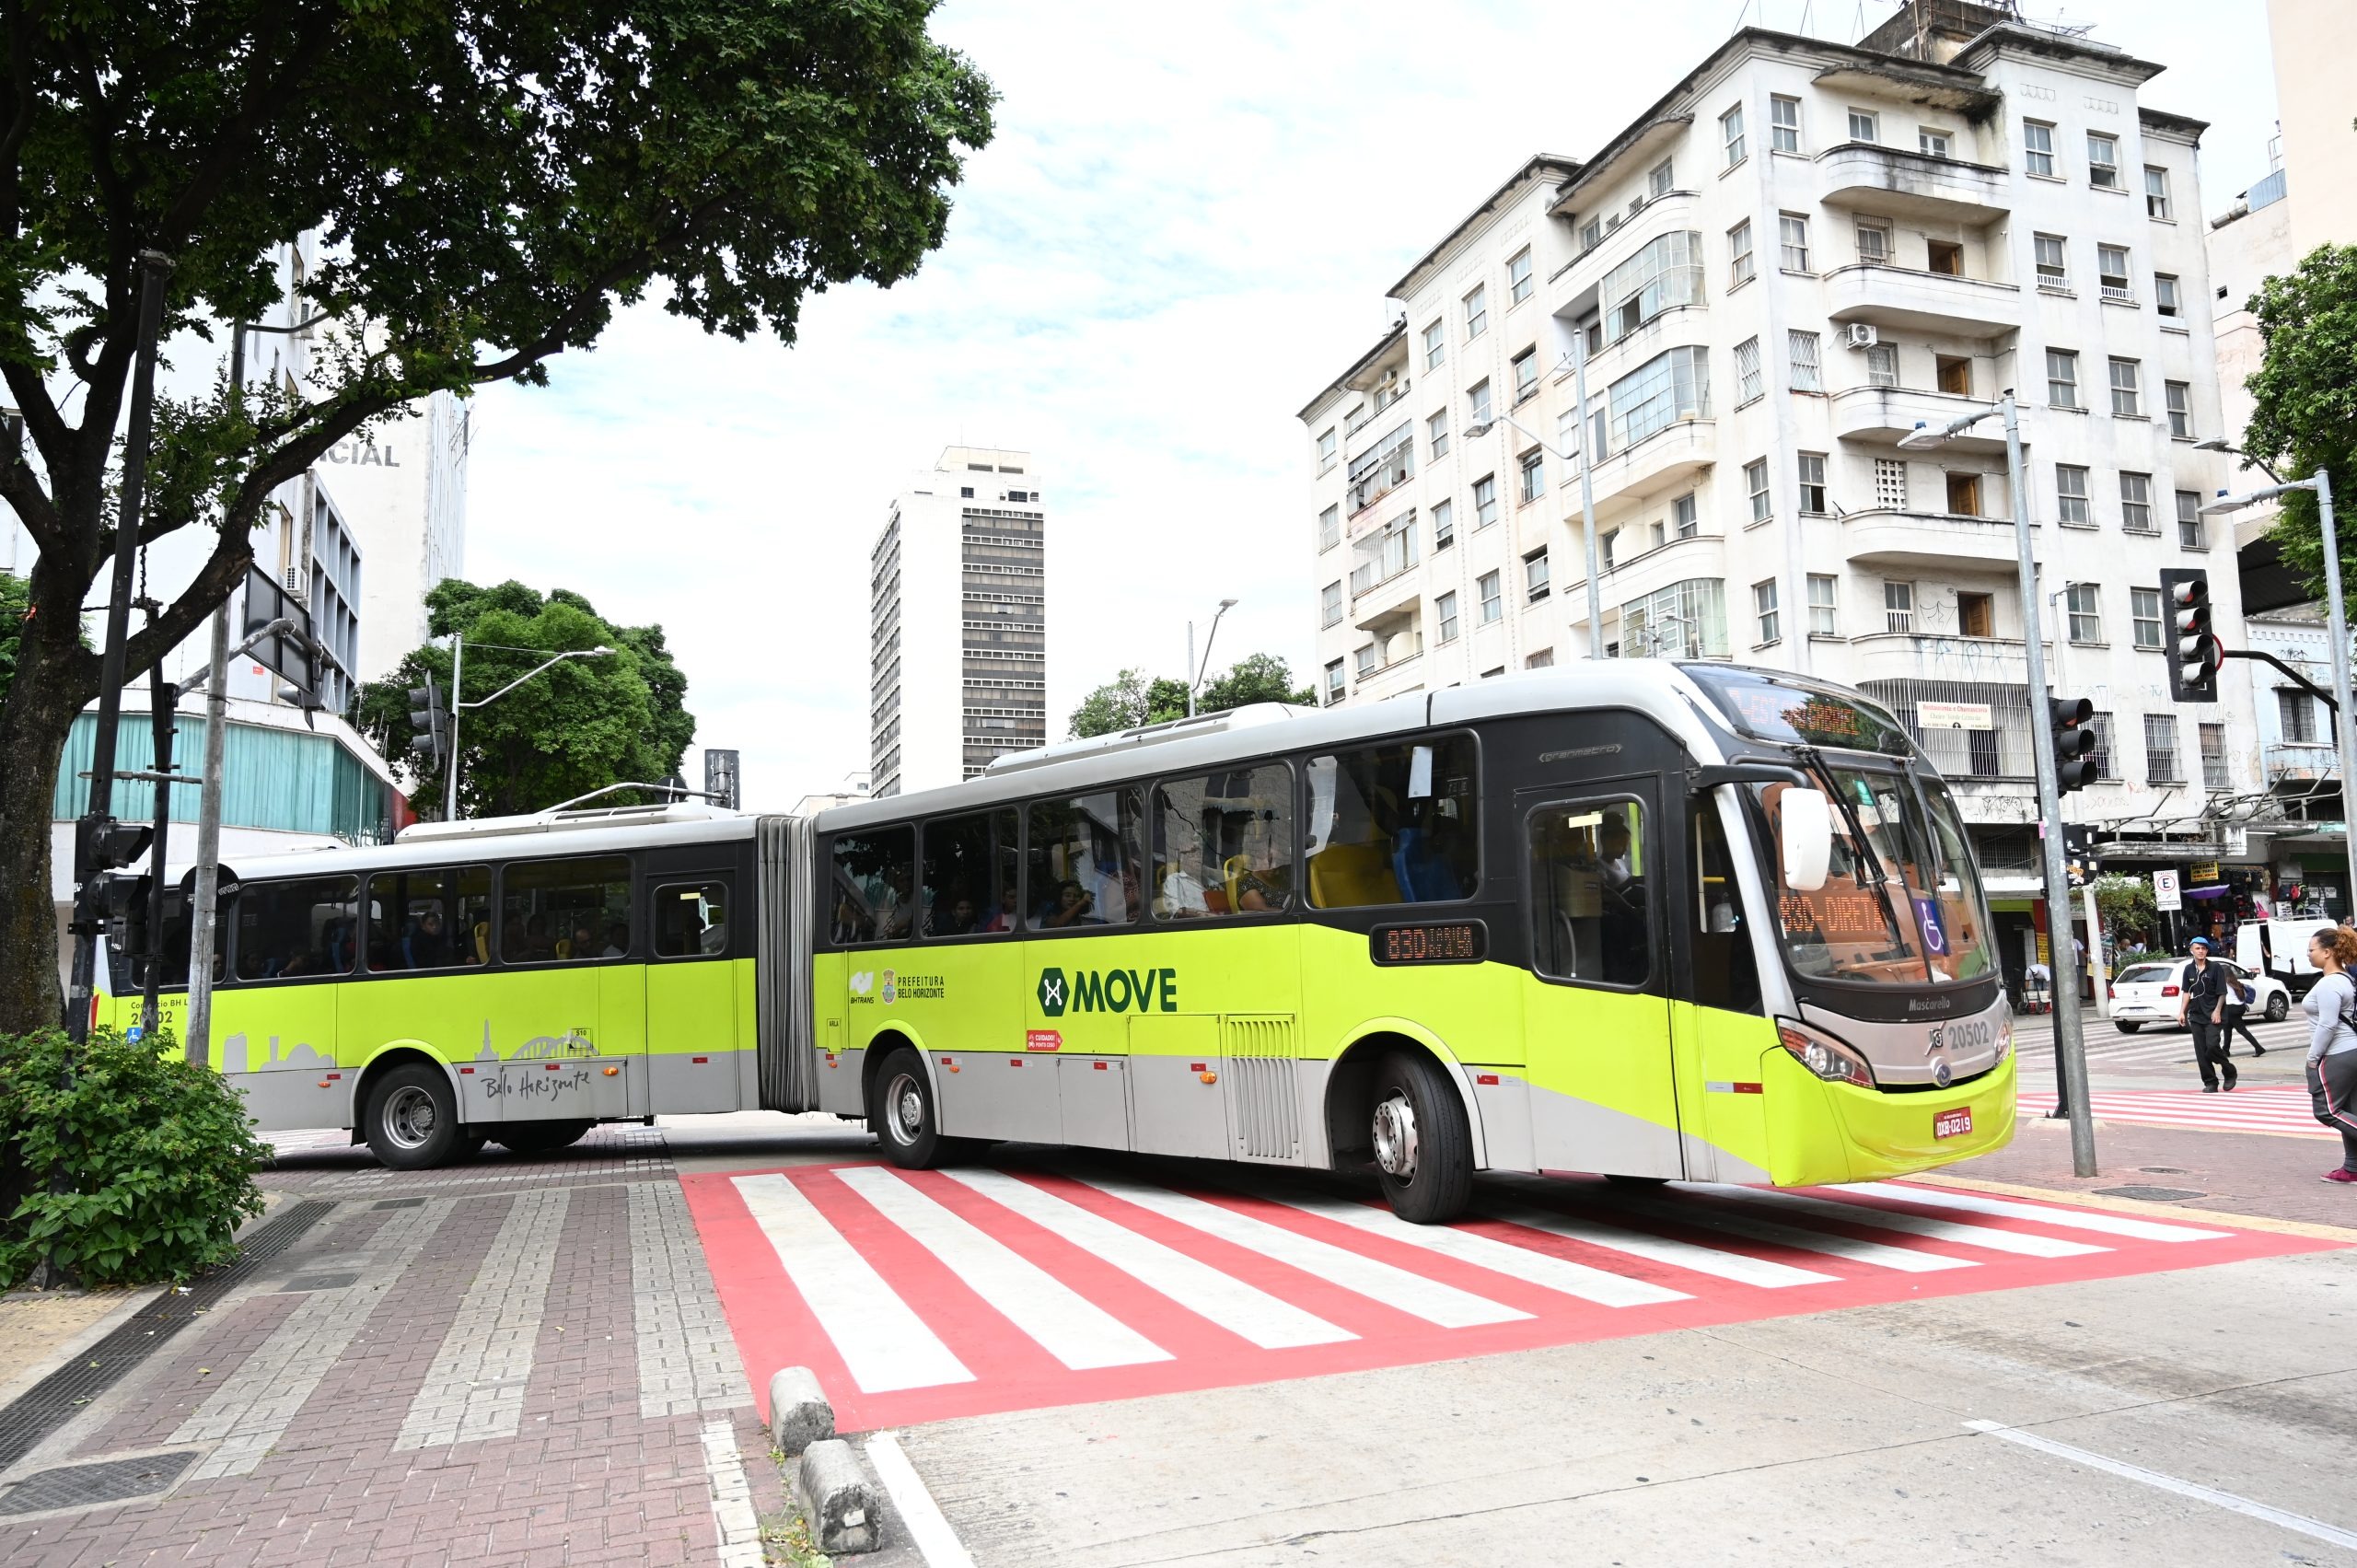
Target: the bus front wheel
(904, 1116)
(1424, 1146)
(413, 1118)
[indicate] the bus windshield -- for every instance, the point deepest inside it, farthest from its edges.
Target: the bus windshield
(1902, 904)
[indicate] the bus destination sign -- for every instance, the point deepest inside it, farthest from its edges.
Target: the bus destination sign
(1430, 942)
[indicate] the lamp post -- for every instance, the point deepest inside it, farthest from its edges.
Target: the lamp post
(1195, 671)
(2344, 744)
(2070, 1034)
(1588, 501)
(458, 652)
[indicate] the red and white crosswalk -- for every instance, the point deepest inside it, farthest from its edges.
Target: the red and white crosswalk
(2283, 1108)
(918, 1296)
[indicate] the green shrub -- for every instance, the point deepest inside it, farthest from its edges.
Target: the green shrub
(160, 1159)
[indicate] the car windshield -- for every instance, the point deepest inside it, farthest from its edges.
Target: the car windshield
(1902, 904)
(2146, 974)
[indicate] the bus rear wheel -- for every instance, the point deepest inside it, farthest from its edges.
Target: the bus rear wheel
(1424, 1146)
(906, 1119)
(413, 1118)
(537, 1137)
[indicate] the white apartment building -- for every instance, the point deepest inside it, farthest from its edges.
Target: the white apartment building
(1800, 252)
(959, 621)
(402, 488)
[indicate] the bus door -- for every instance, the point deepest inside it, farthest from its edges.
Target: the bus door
(569, 1004)
(1720, 1027)
(694, 1042)
(1596, 1013)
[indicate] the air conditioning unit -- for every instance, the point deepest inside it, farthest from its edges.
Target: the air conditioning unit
(1862, 335)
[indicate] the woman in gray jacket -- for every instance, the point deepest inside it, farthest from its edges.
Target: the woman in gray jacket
(2330, 1006)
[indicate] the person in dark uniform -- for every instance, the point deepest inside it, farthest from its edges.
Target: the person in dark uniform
(2201, 1008)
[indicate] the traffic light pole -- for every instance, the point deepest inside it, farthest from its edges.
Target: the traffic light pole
(2344, 742)
(2070, 1038)
(205, 903)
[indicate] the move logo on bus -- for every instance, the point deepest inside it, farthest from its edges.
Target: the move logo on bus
(1107, 991)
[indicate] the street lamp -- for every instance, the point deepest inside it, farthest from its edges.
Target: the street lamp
(457, 661)
(1588, 501)
(2321, 482)
(2070, 1038)
(1194, 670)
(2220, 444)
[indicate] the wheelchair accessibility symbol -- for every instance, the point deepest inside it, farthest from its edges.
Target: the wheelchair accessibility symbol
(1935, 939)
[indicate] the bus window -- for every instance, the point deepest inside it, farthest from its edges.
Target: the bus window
(564, 911)
(970, 865)
(125, 957)
(1588, 893)
(429, 920)
(294, 929)
(690, 920)
(1724, 972)
(1083, 870)
(1396, 824)
(1223, 844)
(874, 893)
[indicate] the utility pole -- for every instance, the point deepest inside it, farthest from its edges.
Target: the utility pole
(450, 772)
(204, 903)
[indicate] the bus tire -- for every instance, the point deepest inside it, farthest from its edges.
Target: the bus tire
(1619, 1178)
(413, 1118)
(537, 1137)
(1424, 1146)
(904, 1116)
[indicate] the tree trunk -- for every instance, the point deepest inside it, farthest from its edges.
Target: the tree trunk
(50, 686)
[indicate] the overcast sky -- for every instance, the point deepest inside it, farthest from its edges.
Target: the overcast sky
(1181, 232)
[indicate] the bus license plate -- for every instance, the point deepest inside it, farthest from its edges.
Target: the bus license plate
(1952, 1123)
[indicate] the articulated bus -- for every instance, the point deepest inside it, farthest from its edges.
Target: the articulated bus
(1648, 919)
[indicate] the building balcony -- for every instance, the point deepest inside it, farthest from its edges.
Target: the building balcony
(1881, 415)
(1385, 600)
(2298, 761)
(1927, 540)
(1866, 177)
(1937, 303)
(1671, 456)
(1920, 656)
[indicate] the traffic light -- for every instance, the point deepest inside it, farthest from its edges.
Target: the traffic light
(2194, 651)
(431, 722)
(2074, 742)
(102, 844)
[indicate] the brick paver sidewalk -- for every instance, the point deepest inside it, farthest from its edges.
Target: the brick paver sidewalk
(517, 1362)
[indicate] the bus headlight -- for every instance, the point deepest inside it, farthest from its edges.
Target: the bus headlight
(1824, 1055)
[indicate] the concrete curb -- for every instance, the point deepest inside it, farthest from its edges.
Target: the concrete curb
(839, 1499)
(799, 1413)
(2138, 1206)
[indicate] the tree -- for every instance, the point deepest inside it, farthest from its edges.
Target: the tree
(2125, 904)
(2304, 412)
(577, 726)
(1262, 678)
(490, 179)
(1129, 700)
(16, 603)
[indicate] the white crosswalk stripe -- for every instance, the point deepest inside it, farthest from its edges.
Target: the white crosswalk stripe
(475, 1389)
(1516, 1262)
(1865, 1214)
(1857, 1251)
(1740, 1267)
(2070, 1219)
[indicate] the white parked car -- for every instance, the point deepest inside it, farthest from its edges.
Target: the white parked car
(2148, 994)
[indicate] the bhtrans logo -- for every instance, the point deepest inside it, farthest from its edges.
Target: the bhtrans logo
(863, 985)
(1107, 991)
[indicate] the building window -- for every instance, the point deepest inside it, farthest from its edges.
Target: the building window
(1784, 124)
(2164, 294)
(1964, 494)
(1444, 611)
(1534, 575)
(2136, 503)
(1685, 518)
(1873, 244)
(2296, 713)
(1824, 619)
(1533, 475)
(1898, 607)
(1739, 253)
(1329, 605)
(2190, 533)
(1731, 134)
(2126, 390)
(1477, 400)
(1518, 276)
(1389, 463)
(1746, 370)
(1791, 233)
(1684, 619)
(1543, 659)
(2061, 377)
(1665, 274)
(1661, 180)
(1329, 528)
(1763, 610)
(2156, 194)
(1755, 483)
(1976, 615)
(1352, 423)
(1436, 432)
(1606, 547)
(1485, 502)
(1324, 449)
(2145, 618)
(1366, 660)
(2072, 504)
(1591, 235)
(1658, 394)
(2111, 271)
(1944, 257)
(1890, 485)
(2053, 263)
(1567, 442)
(1444, 525)
(2037, 148)
(2084, 603)
(1526, 375)
(1952, 372)
(1865, 126)
(1493, 604)
(1812, 472)
(1334, 686)
(2102, 754)
(1477, 311)
(2178, 395)
(1932, 142)
(1882, 366)
(1804, 352)
(2160, 761)
(2103, 161)
(1435, 344)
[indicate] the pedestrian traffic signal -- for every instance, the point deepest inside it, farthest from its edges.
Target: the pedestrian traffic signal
(2194, 651)
(102, 843)
(431, 722)
(2074, 742)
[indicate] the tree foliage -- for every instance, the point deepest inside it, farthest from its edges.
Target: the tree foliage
(490, 180)
(1129, 699)
(575, 727)
(16, 603)
(2304, 414)
(2125, 903)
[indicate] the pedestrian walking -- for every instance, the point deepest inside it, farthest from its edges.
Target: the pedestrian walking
(2331, 1007)
(2240, 995)
(2201, 1008)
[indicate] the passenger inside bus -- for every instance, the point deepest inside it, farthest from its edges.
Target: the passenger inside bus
(1589, 894)
(1393, 824)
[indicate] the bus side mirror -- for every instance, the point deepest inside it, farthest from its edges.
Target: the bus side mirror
(1805, 837)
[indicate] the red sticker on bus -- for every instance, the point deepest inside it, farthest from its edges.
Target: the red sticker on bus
(1043, 1040)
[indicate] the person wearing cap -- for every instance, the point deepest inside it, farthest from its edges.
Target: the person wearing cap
(2201, 1008)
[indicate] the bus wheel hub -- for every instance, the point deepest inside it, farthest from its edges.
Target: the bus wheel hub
(908, 1111)
(409, 1117)
(1395, 1136)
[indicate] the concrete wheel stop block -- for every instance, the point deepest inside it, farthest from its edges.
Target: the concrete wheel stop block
(799, 1413)
(841, 1503)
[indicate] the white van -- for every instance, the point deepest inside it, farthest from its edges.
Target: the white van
(2280, 947)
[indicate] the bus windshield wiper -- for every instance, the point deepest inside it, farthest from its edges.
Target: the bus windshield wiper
(1863, 857)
